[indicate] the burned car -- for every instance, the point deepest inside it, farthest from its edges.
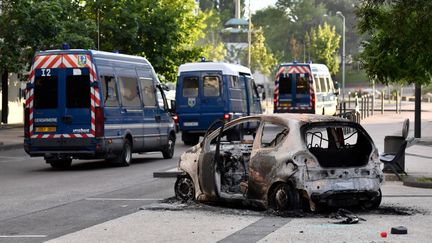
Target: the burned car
(284, 162)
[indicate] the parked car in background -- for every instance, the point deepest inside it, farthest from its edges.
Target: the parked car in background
(208, 91)
(288, 161)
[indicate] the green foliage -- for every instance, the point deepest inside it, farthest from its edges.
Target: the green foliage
(30, 25)
(323, 45)
(398, 48)
(262, 59)
(286, 24)
(213, 46)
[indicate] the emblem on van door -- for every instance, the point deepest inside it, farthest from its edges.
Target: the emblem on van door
(82, 60)
(191, 102)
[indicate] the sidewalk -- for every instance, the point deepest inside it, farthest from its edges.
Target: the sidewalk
(11, 136)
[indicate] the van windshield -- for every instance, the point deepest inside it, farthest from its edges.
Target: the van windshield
(78, 91)
(46, 92)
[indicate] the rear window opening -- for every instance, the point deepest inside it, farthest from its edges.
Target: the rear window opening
(45, 92)
(338, 145)
(78, 91)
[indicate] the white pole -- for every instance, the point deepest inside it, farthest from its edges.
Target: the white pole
(343, 54)
(249, 37)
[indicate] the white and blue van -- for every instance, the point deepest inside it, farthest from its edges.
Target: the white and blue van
(305, 88)
(209, 91)
(86, 104)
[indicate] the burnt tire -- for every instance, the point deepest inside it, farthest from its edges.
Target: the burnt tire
(168, 151)
(125, 156)
(283, 198)
(184, 189)
(374, 202)
(61, 164)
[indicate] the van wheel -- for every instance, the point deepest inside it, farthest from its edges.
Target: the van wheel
(168, 152)
(61, 164)
(283, 197)
(190, 139)
(125, 157)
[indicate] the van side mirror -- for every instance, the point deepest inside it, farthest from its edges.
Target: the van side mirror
(336, 85)
(173, 106)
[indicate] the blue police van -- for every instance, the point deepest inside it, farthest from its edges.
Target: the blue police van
(86, 104)
(208, 91)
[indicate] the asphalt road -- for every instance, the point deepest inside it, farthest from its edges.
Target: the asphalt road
(38, 203)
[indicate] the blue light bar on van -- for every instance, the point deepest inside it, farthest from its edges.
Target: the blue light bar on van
(65, 46)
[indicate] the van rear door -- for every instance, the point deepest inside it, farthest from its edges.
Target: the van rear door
(294, 89)
(75, 103)
(62, 100)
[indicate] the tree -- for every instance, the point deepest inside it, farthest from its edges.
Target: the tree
(211, 42)
(324, 43)
(262, 60)
(30, 25)
(288, 20)
(164, 34)
(397, 48)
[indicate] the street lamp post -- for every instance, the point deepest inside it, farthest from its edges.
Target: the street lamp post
(343, 54)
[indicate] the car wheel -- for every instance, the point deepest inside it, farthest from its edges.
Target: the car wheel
(283, 197)
(168, 152)
(125, 157)
(60, 163)
(184, 188)
(374, 202)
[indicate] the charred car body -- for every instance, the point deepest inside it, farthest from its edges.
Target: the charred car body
(287, 161)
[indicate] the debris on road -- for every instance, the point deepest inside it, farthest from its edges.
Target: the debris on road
(346, 217)
(399, 230)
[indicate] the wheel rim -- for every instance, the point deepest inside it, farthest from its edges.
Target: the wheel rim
(281, 198)
(185, 189)
(128, 154)
(171, 145)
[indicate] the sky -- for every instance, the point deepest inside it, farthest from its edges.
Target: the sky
(259, 4)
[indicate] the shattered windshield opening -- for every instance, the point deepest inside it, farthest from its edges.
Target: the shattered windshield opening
(337, 144)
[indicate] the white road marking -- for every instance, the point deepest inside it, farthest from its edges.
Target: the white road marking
(23, 236)
(121, 199)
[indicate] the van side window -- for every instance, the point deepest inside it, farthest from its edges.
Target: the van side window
(190, 86)
(78, 91)
(109, 86)
(330, 84)
(211, 85)
(45, 92)
(234, 82)
(147, 87)
(317, 84)
(129, 87)
(323, 84)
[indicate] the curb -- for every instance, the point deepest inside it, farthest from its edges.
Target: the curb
(11, 146)
(412, 182)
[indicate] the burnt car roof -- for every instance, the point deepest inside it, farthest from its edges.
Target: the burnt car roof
(300, 118)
